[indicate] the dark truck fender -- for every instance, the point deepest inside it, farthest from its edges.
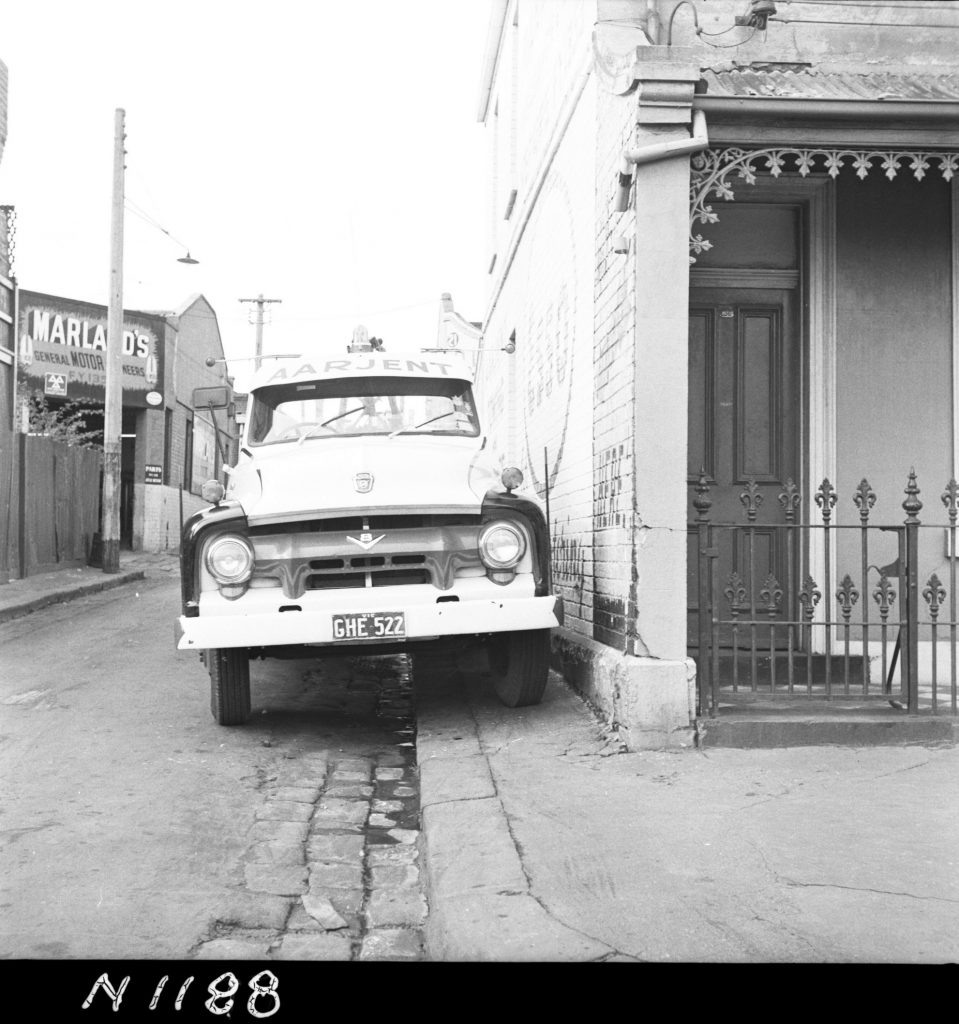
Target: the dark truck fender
(226, 517)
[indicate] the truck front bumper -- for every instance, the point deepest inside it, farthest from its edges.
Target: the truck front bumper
(315, 626)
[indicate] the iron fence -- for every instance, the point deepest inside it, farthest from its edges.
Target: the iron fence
(810, 614)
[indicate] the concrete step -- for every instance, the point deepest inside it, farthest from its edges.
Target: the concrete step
(773, 724)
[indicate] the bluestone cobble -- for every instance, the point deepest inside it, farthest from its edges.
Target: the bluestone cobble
(322, 946)
(392, 944)
(331, 868)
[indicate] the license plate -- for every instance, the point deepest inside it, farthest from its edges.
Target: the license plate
(369, 626)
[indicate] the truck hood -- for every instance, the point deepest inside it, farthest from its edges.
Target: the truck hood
(328, 475)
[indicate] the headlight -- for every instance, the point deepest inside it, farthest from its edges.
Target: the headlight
(230, 559)
(501, 545)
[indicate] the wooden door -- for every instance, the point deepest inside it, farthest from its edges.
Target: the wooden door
(744, 426)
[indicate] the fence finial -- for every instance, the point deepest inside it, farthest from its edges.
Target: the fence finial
(950, 498)
(702, 502)
(809, 597)
(772, 594)
(934, 593)
(751, 498)
(790, 498)
(847, 595)
(826, 498)
(865, 498)
(884, 596)
(912, 505)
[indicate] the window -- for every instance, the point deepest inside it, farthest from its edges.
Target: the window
(352, 407)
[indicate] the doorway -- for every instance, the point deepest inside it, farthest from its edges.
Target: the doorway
(745, 434)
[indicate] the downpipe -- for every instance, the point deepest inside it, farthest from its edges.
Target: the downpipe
(658, 151)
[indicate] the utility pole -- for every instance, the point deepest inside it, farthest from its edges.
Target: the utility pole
(259, 302)
(113, 390)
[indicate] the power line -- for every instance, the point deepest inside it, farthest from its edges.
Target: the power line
(143, 215)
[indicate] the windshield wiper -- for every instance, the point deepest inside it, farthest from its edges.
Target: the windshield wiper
(410, 430)
(317, 426)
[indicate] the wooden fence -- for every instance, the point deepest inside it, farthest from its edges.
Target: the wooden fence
(52, 505)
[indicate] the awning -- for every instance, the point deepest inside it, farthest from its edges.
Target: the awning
(795, 102)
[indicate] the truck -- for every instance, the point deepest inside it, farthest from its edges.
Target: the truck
(366, 515)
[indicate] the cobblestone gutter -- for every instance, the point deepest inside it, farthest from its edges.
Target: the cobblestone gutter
(332, 869)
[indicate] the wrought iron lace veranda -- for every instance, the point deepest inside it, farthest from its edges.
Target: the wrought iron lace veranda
(714, 170)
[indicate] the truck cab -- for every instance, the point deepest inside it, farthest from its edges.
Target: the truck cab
(365, 515)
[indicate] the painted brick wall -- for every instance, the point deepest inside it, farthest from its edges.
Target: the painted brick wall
(562, 407)
(540, 400)
(161, 515)
(543, 47)
(613, 383)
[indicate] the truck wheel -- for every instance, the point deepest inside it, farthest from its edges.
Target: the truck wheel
(519, 664)
(229, 669)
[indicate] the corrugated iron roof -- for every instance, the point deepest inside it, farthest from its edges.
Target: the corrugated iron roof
(801, 82)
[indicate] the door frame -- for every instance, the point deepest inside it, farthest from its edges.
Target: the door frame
(817, 302)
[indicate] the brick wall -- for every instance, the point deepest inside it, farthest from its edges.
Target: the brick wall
(160, 522)
(563, 408)
(540, 401)
(613, 373)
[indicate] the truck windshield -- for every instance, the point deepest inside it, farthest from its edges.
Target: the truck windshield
(360, 407)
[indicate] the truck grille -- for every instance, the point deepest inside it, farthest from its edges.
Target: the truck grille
(411, 550)
(337, 573)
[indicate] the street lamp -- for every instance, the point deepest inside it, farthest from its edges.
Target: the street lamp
(210, 361)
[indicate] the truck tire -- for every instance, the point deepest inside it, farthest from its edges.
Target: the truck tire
(229, 669)
(519, 665)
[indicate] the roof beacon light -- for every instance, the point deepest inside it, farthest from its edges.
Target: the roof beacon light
(362, 342)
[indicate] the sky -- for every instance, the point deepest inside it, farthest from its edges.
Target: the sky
(324, 154)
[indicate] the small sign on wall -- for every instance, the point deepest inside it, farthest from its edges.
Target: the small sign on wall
(153, 474)
(55, 384)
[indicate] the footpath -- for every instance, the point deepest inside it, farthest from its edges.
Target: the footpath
(21, 597)
(543, 841)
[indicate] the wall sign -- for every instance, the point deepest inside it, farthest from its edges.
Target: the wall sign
(69, 338)
(153, 474)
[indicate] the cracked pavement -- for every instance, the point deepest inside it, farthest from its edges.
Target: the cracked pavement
(134, 828)
(544, 842)
(541, 839)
